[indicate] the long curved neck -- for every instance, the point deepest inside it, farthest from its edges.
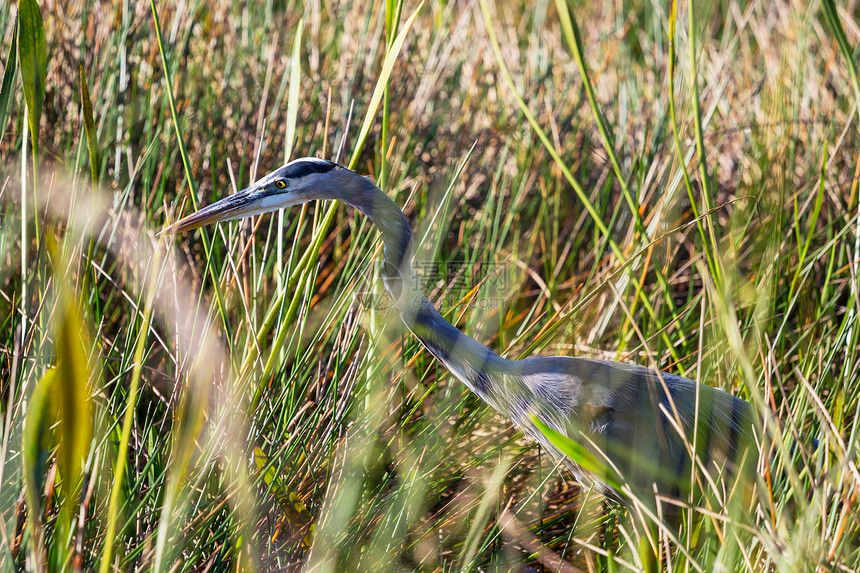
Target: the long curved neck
(470, 361)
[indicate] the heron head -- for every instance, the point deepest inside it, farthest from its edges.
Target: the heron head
(292, 184)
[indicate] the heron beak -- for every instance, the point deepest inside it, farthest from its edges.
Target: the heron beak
(242, 204)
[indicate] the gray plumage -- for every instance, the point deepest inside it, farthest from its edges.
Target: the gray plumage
(641, 420)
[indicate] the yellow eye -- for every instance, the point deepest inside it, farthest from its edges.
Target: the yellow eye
(281, 184)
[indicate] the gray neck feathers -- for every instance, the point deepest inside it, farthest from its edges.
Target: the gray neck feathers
(473, 363)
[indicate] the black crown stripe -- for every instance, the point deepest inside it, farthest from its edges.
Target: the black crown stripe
(303, 168)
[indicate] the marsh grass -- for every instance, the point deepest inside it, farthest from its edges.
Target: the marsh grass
(639, 182)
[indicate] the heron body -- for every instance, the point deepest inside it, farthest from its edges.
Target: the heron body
(647, 425)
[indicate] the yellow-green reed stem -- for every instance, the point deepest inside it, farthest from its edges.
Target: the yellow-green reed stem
(186, 163)
(574, 41)
(700, 141)
(24, 246)
(292, 120)
(128, 418)
(392, 19)
(673, 114)
(578, 189)
(313, 251)
(93, 148)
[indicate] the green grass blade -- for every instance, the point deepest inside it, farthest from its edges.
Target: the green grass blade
(33, 58)
(704, 172)
(568, 175)
(571, 32)
(294, 514)
(60, 401)
(93, 148)
(580, 455)
(90, 126)
(8, 81)
(812, 227)
(392, 20)
(388, 452)
(73, 376)
(312, 252)
(171, 99)
(292, 119)
(33, 65)
(580, 191)
(186, 164)
(37, 447)
(128, 419)
(831, 16)
(376, 98)
(293, 98)
(835, 24)
(676, 137)
(574, 42)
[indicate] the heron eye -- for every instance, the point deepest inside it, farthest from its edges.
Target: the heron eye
(281, 184)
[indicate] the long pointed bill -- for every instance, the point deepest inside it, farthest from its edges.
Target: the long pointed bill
(245, 203)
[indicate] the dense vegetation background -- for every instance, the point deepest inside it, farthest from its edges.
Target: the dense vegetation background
(240, 398)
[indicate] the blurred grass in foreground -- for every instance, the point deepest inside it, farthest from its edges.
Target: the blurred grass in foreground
(254, 408)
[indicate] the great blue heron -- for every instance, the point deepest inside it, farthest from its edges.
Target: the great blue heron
(649, 426)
